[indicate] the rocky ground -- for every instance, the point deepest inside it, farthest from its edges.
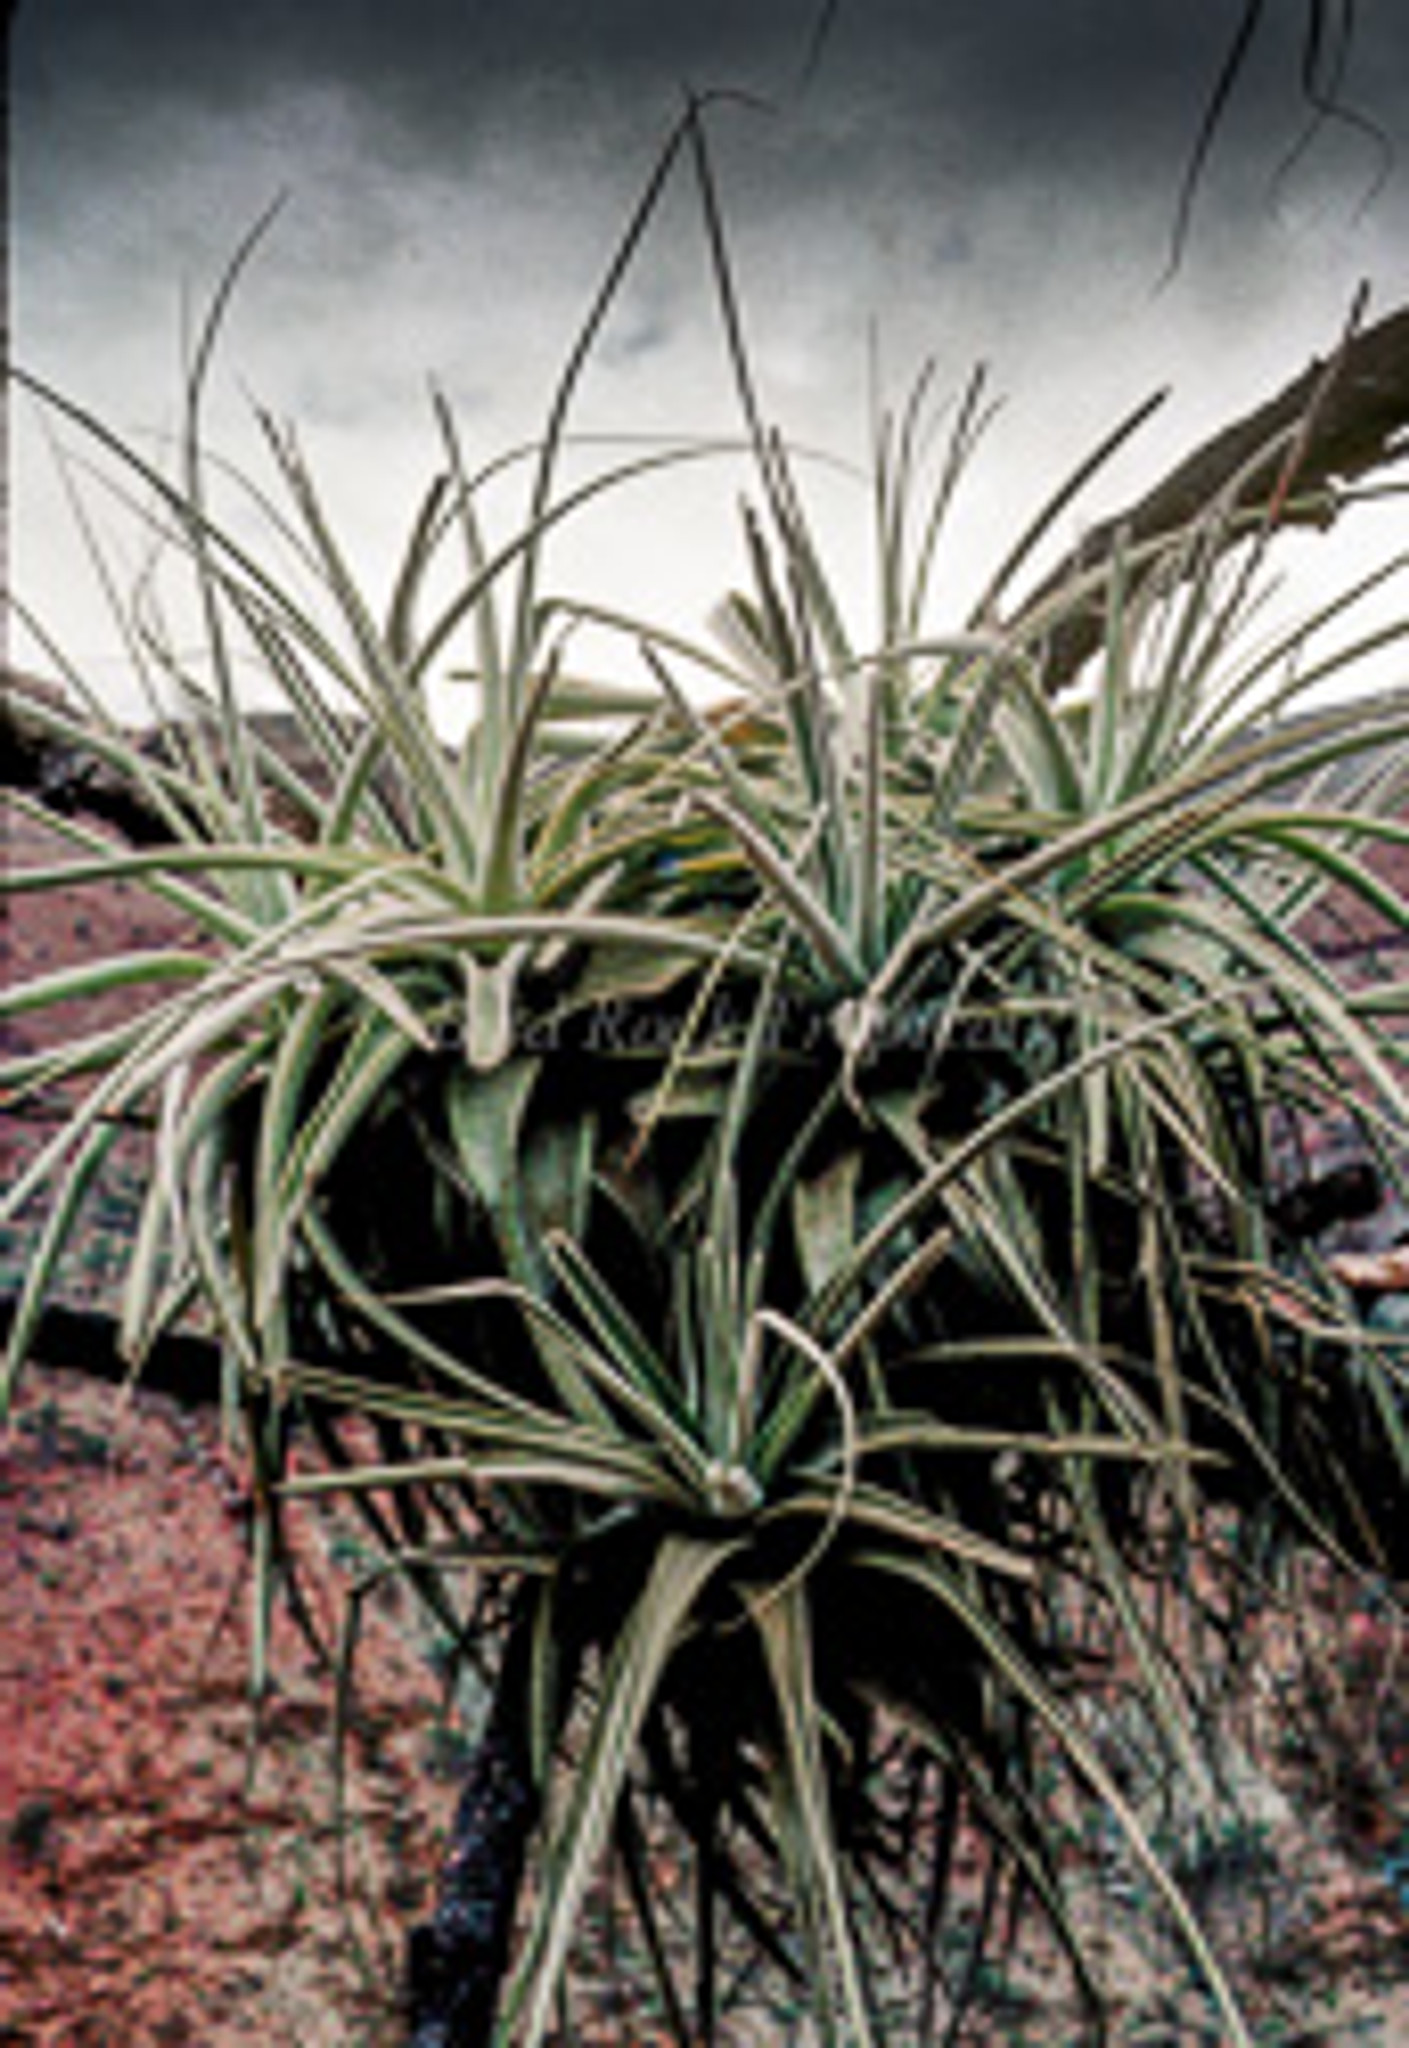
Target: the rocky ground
(170, 1864)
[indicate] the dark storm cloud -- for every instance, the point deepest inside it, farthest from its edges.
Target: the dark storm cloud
(991, 147)
(421, 55)
(1103, 94)
(960, 177)
(1103, 69)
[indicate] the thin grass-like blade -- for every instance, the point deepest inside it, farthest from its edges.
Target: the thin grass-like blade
(783, 1622)
(682, 1568)
(1013, 1668)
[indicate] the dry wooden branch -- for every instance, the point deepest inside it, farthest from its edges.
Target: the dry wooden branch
(1292, 458)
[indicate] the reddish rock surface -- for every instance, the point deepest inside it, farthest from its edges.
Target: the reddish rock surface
(167, 1878)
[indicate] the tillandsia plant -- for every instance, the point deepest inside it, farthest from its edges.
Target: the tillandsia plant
(794, 1178)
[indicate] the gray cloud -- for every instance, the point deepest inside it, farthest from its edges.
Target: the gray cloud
(1022, 79)
(159, 129)
(498, 138)
(996, 179)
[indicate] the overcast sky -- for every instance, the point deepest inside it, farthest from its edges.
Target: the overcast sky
(966, 179)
